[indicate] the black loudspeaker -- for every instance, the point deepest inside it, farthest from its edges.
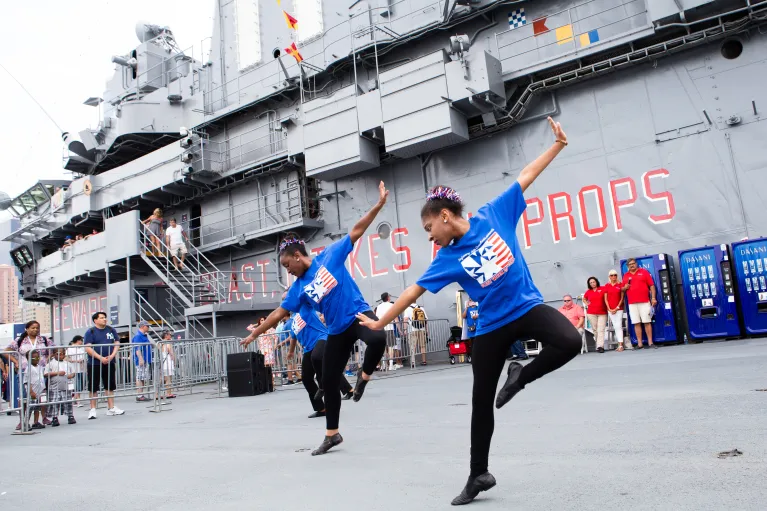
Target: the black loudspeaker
(247, 374)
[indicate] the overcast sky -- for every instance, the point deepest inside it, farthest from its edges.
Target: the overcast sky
(61, 51)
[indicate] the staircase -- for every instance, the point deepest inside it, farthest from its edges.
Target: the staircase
(198, 284)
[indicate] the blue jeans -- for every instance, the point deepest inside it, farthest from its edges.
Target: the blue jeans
(518, 350)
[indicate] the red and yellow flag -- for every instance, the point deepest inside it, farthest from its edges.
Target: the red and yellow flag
(290, 20)
(293, 51)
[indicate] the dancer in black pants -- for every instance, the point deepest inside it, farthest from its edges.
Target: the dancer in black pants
(306, 328)
(325, 284)
(482, 255)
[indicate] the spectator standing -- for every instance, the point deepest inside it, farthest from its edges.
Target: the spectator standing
(417, 322)
(76, 356)
(471, 315)
(34, 384)
(101, 345)
(154, 226)
(573, 312)
(614, 302)
(266, 345)
(58, 374)
(392, 342)
(168, 364)
(176, 239)
(28, 341)
(640, 294)
(142, 358)
(594, 300)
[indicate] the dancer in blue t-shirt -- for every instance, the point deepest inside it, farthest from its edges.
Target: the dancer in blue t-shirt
(306, 328)
(325, 284)
(483, 256)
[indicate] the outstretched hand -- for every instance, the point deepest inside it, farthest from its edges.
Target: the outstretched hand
(557, 129)
(383, 194)
(372, 324)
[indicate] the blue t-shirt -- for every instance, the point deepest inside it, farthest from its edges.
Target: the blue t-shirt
(472, 317)
(306, 328)
(328, 287)
(146, 351)
(488, 264)
(102, 341)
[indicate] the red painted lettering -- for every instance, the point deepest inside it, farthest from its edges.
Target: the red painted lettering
(373, 255)
(661, 196)
(234, 290)
(354, 260)
(597, 192)
(316, 250)
(76, 313)
(434, 249)
(247, 267)
(527, 221)
(64, 317)
(556, 216)
(262, 264)
(400, 249)
(621, 203)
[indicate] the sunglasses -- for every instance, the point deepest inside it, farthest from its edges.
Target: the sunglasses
(567, 301)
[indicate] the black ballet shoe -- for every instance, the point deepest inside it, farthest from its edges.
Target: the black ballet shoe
(319, 395)
(359, 387)
(327, 444)
(348, 396)
(511, 387)
(317, 414)
(473, 486)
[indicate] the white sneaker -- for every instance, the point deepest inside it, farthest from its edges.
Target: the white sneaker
(115, 411)
(92, 414)
(79, 405)
(398, 366)
(224, 389)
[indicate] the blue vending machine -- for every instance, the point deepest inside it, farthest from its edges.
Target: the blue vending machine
(709, 292)
(750, 260)
(666, 318)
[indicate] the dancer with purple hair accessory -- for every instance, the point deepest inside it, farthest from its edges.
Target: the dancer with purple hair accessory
(483, 256)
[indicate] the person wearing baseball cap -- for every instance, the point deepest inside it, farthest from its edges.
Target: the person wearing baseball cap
(142, 358)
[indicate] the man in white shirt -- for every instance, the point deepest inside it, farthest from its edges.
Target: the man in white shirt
(175, 238)
(392, 341)
(418, 330)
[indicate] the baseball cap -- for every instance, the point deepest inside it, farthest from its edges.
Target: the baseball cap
(142, 324)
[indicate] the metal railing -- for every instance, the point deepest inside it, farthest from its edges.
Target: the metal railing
(187, 284)
(567, 31)
(408, 345)
(264, 211)
(337, 42)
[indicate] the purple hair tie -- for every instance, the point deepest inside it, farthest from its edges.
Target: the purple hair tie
(443, 192)
(290, 241)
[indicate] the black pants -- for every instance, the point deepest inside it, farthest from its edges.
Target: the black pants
(337, 353)
(561, 343)
(311, 365)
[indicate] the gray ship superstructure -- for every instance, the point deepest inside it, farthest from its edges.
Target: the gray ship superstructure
(265, 128)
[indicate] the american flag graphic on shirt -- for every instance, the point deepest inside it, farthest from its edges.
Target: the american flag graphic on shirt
(489, 261)
(298, 324)
(323, 283)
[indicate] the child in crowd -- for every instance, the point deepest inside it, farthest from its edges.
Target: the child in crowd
(59, 374)
(76, 357)
(35, 385)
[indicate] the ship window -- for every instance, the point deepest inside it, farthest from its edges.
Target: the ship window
(247, 33)
(309, 16)
(732, 49)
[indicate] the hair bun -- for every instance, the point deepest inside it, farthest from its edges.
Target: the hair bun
(443, 192)
(290, 241)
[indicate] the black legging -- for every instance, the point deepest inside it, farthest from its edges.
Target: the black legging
(561, 343)
(311, 364)
(337, 353)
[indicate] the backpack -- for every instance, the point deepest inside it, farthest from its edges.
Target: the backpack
(418, 317)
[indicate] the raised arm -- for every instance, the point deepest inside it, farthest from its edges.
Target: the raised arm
(360, 227)
(271, 320)
(410, 295)
(535, 167)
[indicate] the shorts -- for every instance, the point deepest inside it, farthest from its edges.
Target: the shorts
(102, 375)
(418, 341)
(392, 341)
(640, 312)
(144, 373)
(178, 250)
(168, 367)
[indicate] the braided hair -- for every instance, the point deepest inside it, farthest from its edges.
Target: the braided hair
(442, 197)
(291, 244)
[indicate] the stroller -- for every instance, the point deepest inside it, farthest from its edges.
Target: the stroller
(457, 347)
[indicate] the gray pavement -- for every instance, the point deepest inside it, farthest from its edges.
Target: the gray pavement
(616, 431)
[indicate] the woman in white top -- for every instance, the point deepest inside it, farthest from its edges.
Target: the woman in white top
(30, 340)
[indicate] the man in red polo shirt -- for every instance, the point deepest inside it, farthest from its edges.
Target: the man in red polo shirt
(640, 293)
